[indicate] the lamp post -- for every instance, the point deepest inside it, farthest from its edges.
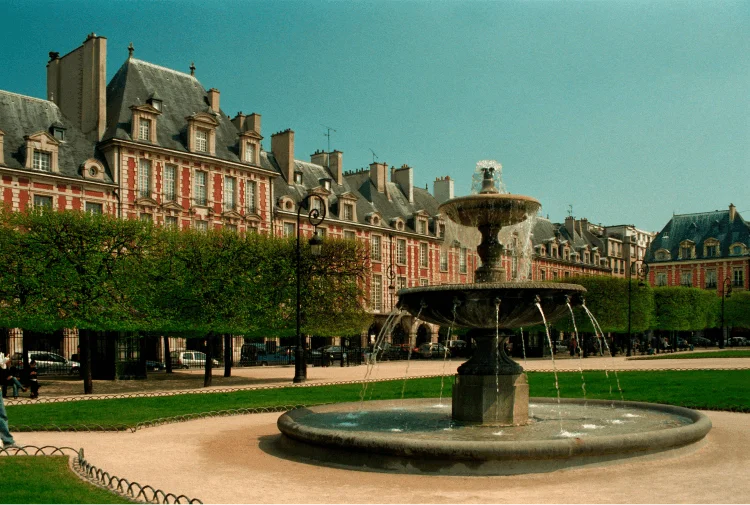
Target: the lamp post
(641, 273)
(315, 216)
(726, 292)
(390, 273)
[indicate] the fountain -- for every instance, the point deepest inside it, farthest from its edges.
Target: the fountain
(492, 428)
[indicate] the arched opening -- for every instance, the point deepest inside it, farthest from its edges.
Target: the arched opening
(372, 333)
(424, 335)
(399, 336)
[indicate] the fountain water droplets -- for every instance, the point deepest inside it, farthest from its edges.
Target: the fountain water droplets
(478, 176)
(552, 354)
(579, 349)
(595, 323)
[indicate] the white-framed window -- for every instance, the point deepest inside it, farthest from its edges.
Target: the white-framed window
(201, 140)
(350, 235)
(542, 275)
(376, 292)
(712, 251)
(423, 255)
(738, 278)
(42, 161)
(147, 218)
(424, 282)
(230, 198)
(661, 278)
(462, 260)
(710, 278)
(144, 129)
(298, 178)
(422, 227)
(401, 251)
(289, 229)
(170, 186)
(94, 208)
(171, 222)
(348, 211)
(686, 279)
(249, 152)
(199, 188)
(144, 178)
(231, 227)
(201, 225)
(375, 248)
(251, 192)
(400, 282)
(43, 201)
(443, 260)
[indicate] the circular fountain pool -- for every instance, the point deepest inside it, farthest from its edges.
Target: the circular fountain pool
(419, 436)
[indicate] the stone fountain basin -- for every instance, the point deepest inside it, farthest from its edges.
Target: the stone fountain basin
(502, 209)
(477, 306)
(418, 436)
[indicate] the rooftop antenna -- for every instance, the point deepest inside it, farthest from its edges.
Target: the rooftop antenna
(374, 156)
(570, 209)
(328, 134)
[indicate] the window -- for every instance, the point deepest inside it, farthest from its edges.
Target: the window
(737, 250)
(542, 275)
(144, 129)
(661, 279)
(349, 212)
(231, 227)
(422, 227)
(199, 191)
(441, 230)
(738, 278)
(423, 282)
(201, 225)
(401, 283)
(298, 178)
(554, 274)
(59, 133)
(376, 292)
(251, 189)
(712, 251)
(462, 260)
(170, 222)
(42, 161)
(349, 235)
(423, 256)
(401, 251)
(201, 140)
(288, 229)
(375, 248)
(43, 201)
(147, 217)
(686, 251)
(144, 178)
(249, 152)
(710, 278)
(686, 279)
(443, 260)
(514, 268)
(230, 184)
(662, 255)
(94, 208)
(170, 189)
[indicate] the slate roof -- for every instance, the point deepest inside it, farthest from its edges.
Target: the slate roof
(181, 95)
(699, 227)
(24, 115)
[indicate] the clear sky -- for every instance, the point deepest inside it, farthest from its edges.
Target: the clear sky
(629, 111)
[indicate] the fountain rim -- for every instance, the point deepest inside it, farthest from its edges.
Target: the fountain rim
(483, 197)
(526, 450)
(491, 286)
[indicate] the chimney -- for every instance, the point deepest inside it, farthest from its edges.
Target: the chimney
(319, 158)
(570, 225)
(282, 147)
(404, 177)
(378, 176)
(253, 122)
(336, 159)
(443, 189)
(239, 121)
(213, 99)
(77, 84)
(732, 212)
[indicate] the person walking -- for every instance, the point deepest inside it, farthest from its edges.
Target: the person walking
(5, 435)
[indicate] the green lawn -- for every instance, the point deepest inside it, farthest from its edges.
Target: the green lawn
(47, 479)
(703, 389)
(699, 355)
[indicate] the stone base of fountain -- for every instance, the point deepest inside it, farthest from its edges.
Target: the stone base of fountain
(491, 400)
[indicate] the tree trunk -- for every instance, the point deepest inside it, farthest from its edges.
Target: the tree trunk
(167, 356)
(227, 355)
(209, 360)
(84, 340)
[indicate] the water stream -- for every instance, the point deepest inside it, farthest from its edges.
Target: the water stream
(580, 353)
(598, 328)
(554, 367)
(447, 339)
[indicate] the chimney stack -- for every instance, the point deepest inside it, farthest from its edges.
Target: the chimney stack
(443, 189)
(570, 225)
(732, 212)
(77, 84)
(319, 158)
(239, 121)
(404, 177)
(378, 176)
(282, 147)
(253, 122)
(213, 99)
(336, 159)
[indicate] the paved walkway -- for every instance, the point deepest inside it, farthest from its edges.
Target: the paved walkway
(232, 459)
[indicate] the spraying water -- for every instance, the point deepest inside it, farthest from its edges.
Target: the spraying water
(578, 345)
(393, 318)
(456, 303)
(554, 367)
(408, 356)
(614, 368)
(523, 347)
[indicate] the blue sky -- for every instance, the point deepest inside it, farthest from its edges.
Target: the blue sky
(626, 110)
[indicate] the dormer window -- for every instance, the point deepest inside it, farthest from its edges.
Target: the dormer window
(201, 140)
(144, 122)
(711, 248)
(249, 152)
(298, 177)
(422, 227)
(327, 184)
(156, 104)
(144, 129)
(201, 134)
(58, 131)
(41, 152)
(348, 212)
(42, 161)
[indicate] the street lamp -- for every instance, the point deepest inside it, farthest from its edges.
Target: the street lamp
(315, 216)
(641, 273)
(726, 292)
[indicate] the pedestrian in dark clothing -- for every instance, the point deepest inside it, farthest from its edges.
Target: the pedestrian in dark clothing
(11, 380)
(33, 380)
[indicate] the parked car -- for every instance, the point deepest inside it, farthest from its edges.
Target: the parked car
(155, 366)
(738, 341)
(701, 341)
(190, 359)
(459, 348)
(432, 350)
(333, 352)
(48, 362)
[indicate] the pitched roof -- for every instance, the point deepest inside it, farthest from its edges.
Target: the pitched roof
(181, 94)
(698, 228)
(24, 115)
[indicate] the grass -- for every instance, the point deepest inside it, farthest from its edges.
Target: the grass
(701, 355)
(702, 389)
(47, 479)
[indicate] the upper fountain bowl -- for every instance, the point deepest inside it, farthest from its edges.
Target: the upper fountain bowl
(498, 209)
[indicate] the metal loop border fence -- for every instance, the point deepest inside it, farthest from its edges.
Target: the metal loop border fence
(131, 490)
